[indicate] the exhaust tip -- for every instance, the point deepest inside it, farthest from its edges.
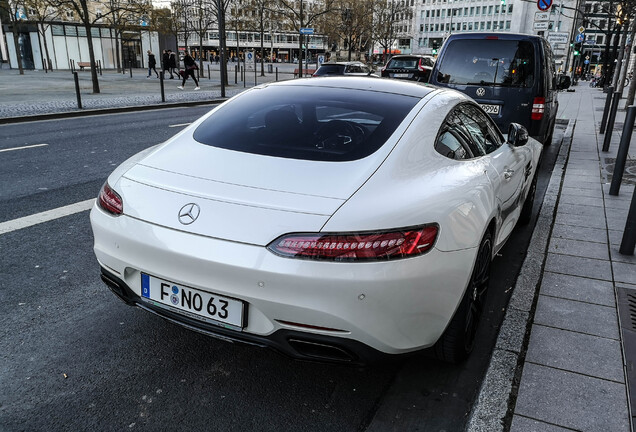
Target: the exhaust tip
(321, 351)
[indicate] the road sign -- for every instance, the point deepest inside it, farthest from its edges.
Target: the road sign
(586, 61)
(321, 59)
(544, 5)
(541, 25)
(581, 29)
(558, 37)
(306, 31)
(579, 37)
(542, 16)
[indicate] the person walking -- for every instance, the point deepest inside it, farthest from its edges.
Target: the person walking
(173, 63)
(165, 64)
(152, 63)
(190, 67)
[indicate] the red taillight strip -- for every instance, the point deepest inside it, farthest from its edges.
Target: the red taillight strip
(538, 108)
(110, 201)
(383, 245)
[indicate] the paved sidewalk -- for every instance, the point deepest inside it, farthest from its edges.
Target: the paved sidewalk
(559, 363)
(40, 93)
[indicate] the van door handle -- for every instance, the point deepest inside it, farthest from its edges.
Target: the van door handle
(508, 174)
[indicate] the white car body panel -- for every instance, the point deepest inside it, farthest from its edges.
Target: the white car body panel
(248, 200)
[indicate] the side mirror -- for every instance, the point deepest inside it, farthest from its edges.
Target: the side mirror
(517, 135)
(564, 82)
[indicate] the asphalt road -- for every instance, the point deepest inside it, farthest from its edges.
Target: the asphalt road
(72, 357)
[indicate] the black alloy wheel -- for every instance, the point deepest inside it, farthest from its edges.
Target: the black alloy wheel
(458, 340)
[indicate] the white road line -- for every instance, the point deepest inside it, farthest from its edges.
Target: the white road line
(180, 125)
(23, 147)
(49, 215)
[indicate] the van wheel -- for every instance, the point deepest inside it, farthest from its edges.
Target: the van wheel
(458, 340)
(548, 140)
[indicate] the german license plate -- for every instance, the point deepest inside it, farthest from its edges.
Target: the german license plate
(490, 109)
(192, 302)
(400, 75)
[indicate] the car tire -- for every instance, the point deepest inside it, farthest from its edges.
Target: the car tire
(458, 340)
(548, 139)
(526, 212)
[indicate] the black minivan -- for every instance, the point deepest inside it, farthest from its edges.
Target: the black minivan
(512, 77)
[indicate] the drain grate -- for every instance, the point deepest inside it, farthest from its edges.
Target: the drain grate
(627, 316)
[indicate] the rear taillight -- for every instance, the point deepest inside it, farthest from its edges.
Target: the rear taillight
(110, 201)
(366, 246)
(538, 107)
(420, 66)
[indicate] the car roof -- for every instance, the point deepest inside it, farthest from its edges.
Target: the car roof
(342, 63)
(400, 87)
(486, 35)
(412, 55)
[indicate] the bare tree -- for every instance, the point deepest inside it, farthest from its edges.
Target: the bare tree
(350, 23)
(127, 10)
(299, 16)
(203, 18)
(387, 16)
(16, 13)
(41, 12)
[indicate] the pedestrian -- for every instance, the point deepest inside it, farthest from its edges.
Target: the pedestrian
(190, 66)
(165, 60)
(173, 63)
(152, 62)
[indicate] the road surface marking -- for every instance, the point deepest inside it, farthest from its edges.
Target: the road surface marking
(180, 125)
(23, 147)
(46, 216)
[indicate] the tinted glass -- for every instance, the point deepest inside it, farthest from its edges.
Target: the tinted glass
(508, 63)
(330, 70)
(403, 63)
(312, 123)
(478, 126)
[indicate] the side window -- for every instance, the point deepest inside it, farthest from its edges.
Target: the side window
(452, 141)
(480, 128)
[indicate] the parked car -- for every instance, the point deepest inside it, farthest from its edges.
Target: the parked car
(338, 219)
(512, 77)
(353, 68)
(409, 67)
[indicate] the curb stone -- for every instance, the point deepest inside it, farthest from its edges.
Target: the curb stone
(500, 384)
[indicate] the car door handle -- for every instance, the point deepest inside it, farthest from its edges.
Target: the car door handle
(508, 174)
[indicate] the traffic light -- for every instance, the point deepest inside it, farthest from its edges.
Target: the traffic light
(576, 52)
(503, 2)
(434, 51)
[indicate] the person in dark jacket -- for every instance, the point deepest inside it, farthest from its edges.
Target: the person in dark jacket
(190, 67)
(152, 63)
(173, 63)
(165, 64)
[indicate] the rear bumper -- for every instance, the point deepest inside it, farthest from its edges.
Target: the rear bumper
(364, 310)
(294, 344)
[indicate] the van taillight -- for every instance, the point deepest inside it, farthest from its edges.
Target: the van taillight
(538, 107)
(420, 66)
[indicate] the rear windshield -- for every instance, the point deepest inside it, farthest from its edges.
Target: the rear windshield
(507, 63)
(403, 63)
(312, 123)
(330, 70)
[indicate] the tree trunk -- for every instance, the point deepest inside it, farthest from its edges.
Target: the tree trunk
(46, 49)
(262, 48)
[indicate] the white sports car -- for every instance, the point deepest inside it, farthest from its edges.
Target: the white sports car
(339, 219)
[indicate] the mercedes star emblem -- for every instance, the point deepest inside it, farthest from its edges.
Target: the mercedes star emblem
(481, 91)
(189, 213)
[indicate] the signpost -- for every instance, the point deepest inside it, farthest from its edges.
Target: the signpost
(579, 38)
(541, 25)
(307, 31)
(542, 16)
(544, 5)
(558, 37)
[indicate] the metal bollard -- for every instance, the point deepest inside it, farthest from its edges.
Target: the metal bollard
(610, 121)
(608, 102)
(235, 74)
(209, 76)
(130, 68)
(163, 93)
(77, 90)
(255, 75)
(629, 235)
(277, 73)
(623, 150)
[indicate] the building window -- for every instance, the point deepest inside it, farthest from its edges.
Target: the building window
(472, 11)
(489, 10)
(510, 8)
(507, 25)
(496, 9)
(477, 10)
(481, 25)
(488, 25)
(57, 30)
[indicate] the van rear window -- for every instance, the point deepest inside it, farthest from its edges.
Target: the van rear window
(507, 63)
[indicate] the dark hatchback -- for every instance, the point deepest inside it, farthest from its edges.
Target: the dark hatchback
(511, 76)
(410, 67)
